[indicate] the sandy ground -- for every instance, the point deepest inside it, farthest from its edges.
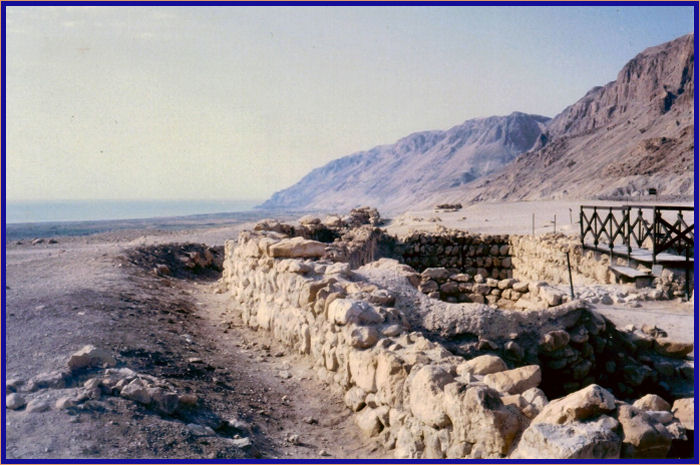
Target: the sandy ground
(83, 290)
(86, 290)
(499, 217)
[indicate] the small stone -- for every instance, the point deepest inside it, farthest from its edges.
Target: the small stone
(14, 384)
(293, 439)
(323, 453)
(200, 430)
(14, 401)
(284, 374)
(65, 402)
(241, 443)
(194, 360)
(37, 405)
(188, 400)
(310, 420)
(671, 348)
(684, 410)
(136, 391)
(90, 356)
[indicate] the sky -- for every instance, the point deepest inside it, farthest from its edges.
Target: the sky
(172, 102)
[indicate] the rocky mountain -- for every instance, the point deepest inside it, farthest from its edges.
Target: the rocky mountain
(392, 176)
(618, 141)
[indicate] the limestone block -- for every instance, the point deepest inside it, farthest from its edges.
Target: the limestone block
(479, 417)
(652, 402)
(642, 435)
(515, 381)
(425, 394)
(588, 402)
(482, 365)
(362, 366)
(577, 440)
(297, 247)
(684, 410)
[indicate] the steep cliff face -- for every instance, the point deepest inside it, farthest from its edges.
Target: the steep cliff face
(402, 173)
(619, 140)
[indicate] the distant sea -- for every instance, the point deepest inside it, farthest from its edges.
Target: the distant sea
(99, 210)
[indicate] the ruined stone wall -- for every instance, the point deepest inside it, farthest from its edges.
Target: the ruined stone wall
(425, 402)
(473, 254)
(543, 258)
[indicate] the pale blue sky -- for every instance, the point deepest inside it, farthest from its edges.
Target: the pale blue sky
(238, 102)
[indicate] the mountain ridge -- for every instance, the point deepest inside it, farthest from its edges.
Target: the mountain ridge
(619, 139)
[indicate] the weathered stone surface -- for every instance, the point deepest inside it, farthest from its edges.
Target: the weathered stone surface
(482, 365)
(163, 401)
(515, 381)
(479, 417)
(586, 403)
(369, 420)
(355, 398)
(136, 391)
(390, 376)
(684, 410)
(15, 401)
(642, 435)
(48, 380)
(438, 273)
(65, 402)
(652, 402)
(554, 340)
(37, 405)
(670, 348)
(426, 395)
(90, 356)
(363, 368)
(364, 337)
(576, 440)
(297, 247)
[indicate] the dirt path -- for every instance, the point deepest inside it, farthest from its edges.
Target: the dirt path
(252, 399)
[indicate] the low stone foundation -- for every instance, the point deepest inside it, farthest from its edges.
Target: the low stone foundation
(433, 379)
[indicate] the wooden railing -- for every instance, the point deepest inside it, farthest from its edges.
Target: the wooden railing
(656, 228)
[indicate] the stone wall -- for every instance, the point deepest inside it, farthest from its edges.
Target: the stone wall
(472, 254)
(543, 258)
(422, 400)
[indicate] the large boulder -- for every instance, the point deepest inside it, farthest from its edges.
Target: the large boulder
(515, 381)
(297, 247)
(588, 402)
(576, 440)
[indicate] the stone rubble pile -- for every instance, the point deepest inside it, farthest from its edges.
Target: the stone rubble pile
(420, 399)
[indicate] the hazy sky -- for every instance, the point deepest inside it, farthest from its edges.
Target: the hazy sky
(237, 102)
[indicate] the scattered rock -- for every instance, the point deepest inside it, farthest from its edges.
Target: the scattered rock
(200, 430)
(89, 357)
(37, 405)
(14, 401)
(136, 391)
